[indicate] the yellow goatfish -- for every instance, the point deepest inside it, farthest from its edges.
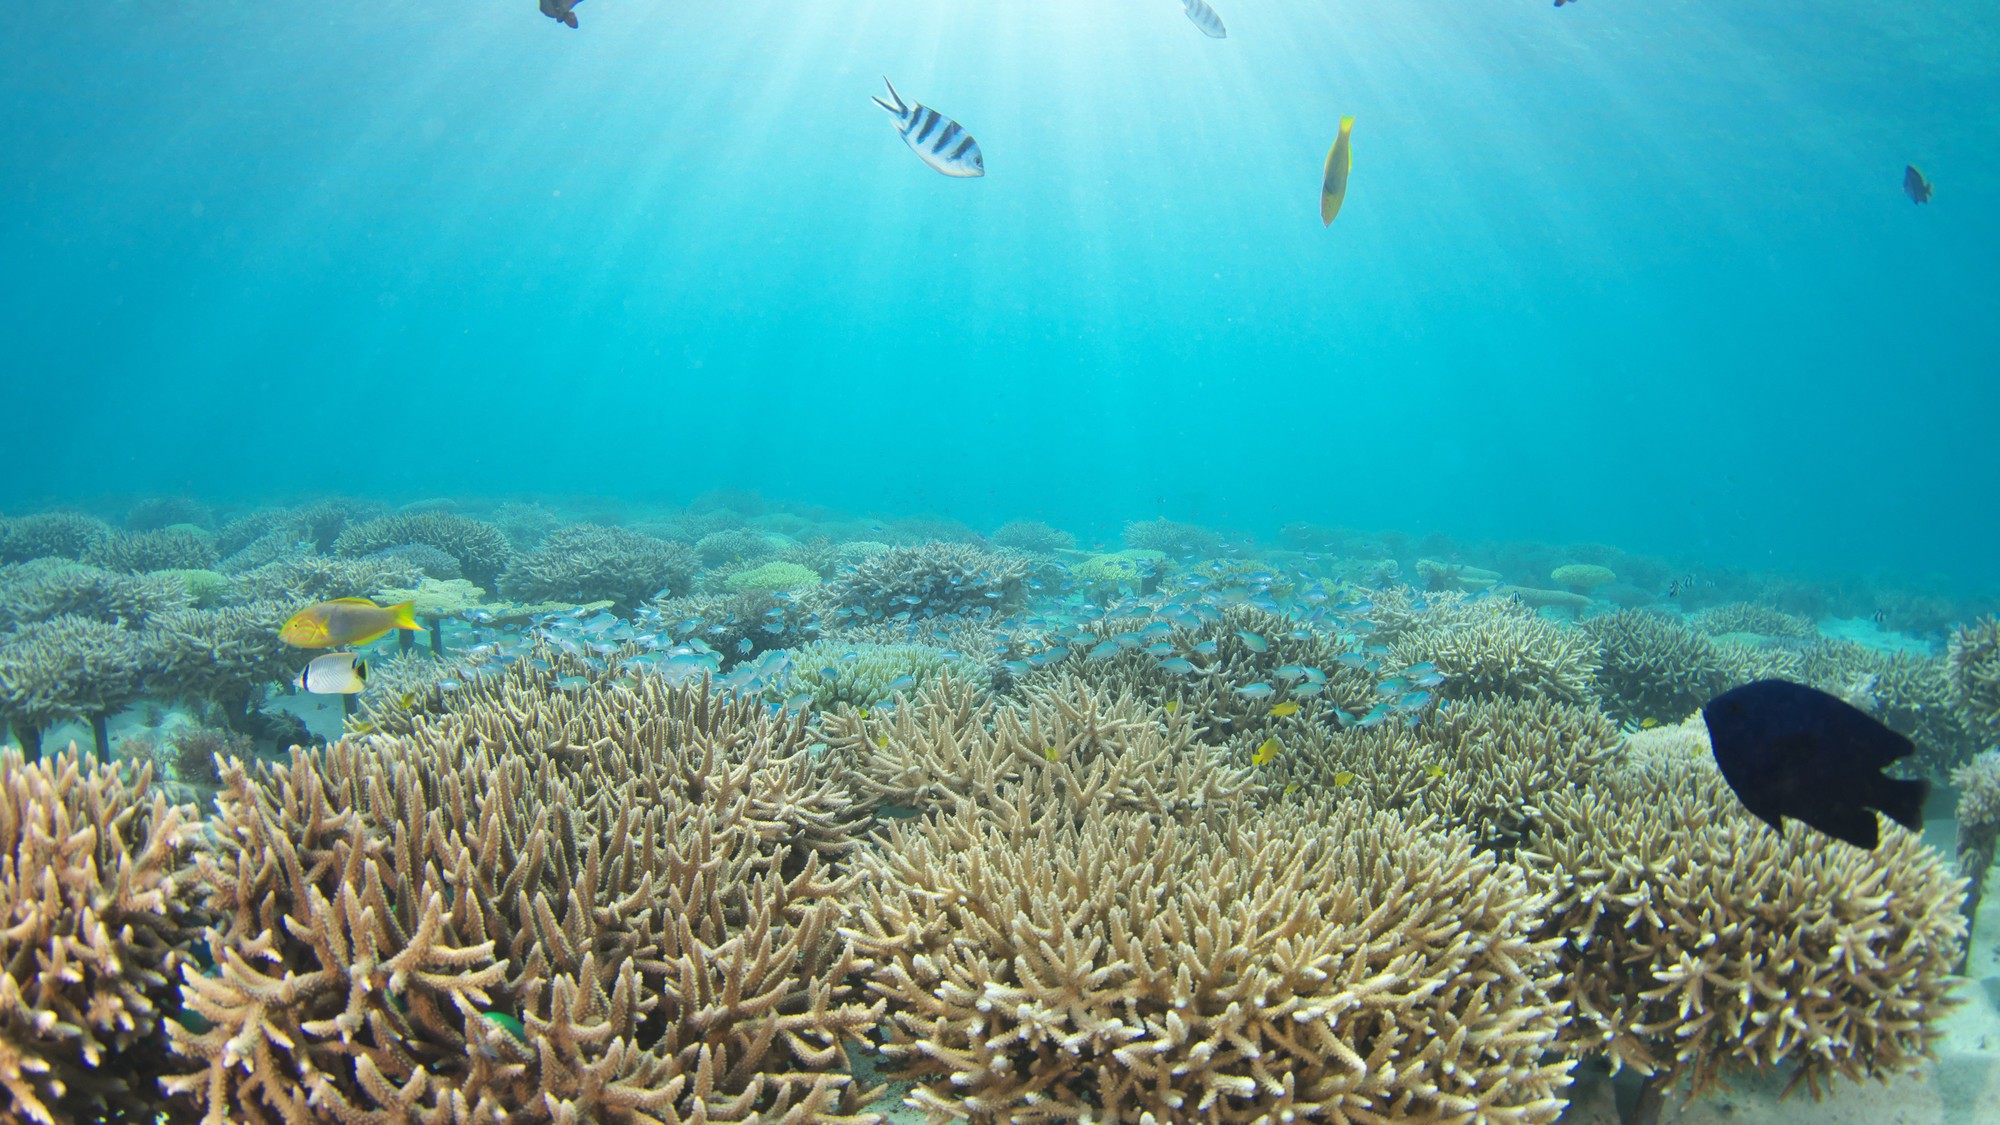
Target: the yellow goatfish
(336, 673)
(345, 621)
(1333, 188)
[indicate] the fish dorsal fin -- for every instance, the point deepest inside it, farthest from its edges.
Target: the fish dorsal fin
(353, 601)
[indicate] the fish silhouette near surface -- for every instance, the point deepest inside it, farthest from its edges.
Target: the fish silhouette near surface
(1789, 750)
(559, 10)
(936, 139)
(1915, 185)
(1204, 17)
(1333, 184)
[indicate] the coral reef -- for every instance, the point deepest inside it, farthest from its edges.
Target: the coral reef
(227, 657)
(617, 909)
(1491, 647)
(303, 579)
(1342, 965)
(91, 945)
(480, 548)
(933, 579)
(1582, 578)
(1978, 783)
(1655, 666)
(1695, 937)
(860, 674)
(1437, 575)
(773, 578)
(588, 563)
(156, 512)
(1132, 572)
(1911, 693)
(170, 548)
(51, 587)
(68, 667)
(526, 524)
(1748, 617)
(1175, 540)
(1973, 664)
(422, 557)
(1033, 535)
(735, 545)
(49, 535)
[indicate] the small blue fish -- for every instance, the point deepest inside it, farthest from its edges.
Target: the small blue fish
(1256, 691)
(1178, 665)
(1429, 680)
(1253, 642)
(1052, 656)
(1017, 667)
(1105, 650)
(572, 683)
(1205, 648)
(1307, 691)
(449, 685)
(799, 702)
(744, 646)
(1158, 648)
(902, 683)
(1291, 672)
(1413, 701)
(1416, 670)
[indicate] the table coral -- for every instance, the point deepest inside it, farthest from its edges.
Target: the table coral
(68, 667)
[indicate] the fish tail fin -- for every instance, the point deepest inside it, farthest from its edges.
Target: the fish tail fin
(404, 616)
(900, 107)
(1347, 124)
(1903, 801)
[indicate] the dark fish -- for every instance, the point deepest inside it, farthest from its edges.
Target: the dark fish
(1881, 619)
(1915, 185)
(1793, 751)
(559, 10)
(1674, 588)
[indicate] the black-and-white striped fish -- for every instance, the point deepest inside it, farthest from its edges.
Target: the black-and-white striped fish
(1204, 17)
(936, 139)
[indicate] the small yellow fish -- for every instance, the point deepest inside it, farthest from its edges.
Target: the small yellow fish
(882, 741)
(345, 621)
(1266, 753)
(863, 712)
(1049, 752)
(1333, 187)
(1286, 708)
(1344, 778)
(1291, 787)
(1433, 772)
(1173, 706)
(336, 673)
(1648, 723)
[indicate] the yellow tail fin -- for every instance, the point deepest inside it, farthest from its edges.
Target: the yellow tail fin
(404, 616)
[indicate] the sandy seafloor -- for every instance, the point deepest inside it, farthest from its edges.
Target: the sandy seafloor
(1960, 1087)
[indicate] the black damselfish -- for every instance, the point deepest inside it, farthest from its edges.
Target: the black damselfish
(1790, 750)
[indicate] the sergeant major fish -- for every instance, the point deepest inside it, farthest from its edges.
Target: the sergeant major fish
(936, 139)
(559, 10)
(1204, 17)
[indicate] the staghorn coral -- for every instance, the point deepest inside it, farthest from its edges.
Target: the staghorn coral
(1749, 617)
(1294, 965)
(1978, 783)
(1485, 766)
(526, 524)
(46, 588)
(627, 921)
(88, 858)
(735, 545)
(170, 548)
(156, 512)
(49, 535)
(480, 548)
(1033, 535)
(930, 580)
(860, 674)
(1135, 572)
(1695, 937)
(1175, 540)
(226, 656)
(1911, 693)
(422, 557)
(588, 563)
(773, 578)
(743, 625)
(1067, 746)
(67, 667)
(303, 579)
(1972, 661)
(1655, 666)
(1491, 647)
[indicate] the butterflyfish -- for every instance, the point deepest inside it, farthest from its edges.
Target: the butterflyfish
(335, 673)
(1333, 186)
(936, 139)
(346, 621)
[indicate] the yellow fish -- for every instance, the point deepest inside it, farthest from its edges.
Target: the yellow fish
(345, 621)
(1286, 708)
(1433, 772)
(1344, 778)
(1648, 723)
(1173, 705)
(1266, 753)
(863, 712)
(1049, 752)
(1291, 787)
(1333, 188)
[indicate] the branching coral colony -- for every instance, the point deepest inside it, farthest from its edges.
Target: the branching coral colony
(1053, 839)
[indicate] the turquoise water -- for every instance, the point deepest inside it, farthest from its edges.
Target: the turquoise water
(1631, 272)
